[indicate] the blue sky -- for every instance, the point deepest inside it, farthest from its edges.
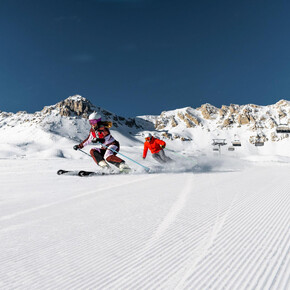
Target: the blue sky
(136, 57)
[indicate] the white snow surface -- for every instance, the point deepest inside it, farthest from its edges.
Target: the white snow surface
(208, 221)
(215, 222)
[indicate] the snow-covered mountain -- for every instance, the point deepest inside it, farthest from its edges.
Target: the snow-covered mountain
(205, 221)
(183, 128)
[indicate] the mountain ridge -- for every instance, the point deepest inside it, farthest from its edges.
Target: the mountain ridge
(197, 127)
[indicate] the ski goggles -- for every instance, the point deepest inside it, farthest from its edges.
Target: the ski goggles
(147, 138)
(94, 122)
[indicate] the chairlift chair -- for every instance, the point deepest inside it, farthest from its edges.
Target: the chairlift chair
(231, 148)
(283, 128)
(259, 143)
(219, 142)
(237, 143)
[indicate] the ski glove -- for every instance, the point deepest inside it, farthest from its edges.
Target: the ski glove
(76, 147)
(98, 140)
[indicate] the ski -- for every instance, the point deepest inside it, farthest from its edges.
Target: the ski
(84, 173)
(67, 172)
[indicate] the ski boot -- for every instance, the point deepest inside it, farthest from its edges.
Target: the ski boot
(124, 168)
(105, 166)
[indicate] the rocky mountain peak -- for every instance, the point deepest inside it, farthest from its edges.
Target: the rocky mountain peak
(260, 120)
(282, 103)
(78, 106)
(183, 123)
(72, 106)
(208, 111)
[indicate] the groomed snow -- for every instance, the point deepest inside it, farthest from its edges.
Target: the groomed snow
(223, 224)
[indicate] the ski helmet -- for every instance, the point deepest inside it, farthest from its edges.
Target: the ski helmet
(148, 136)
(94, 118)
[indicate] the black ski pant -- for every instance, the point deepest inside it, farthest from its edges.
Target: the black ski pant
(98, 155)
(161, 157)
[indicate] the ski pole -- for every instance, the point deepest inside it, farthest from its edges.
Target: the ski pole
(87, 153)
(179, 154)
(146, 168)
(84, 152)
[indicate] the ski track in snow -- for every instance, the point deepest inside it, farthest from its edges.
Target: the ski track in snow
(171, 216)
(244, 260)
(71, 198)
(163, 231)
(204, 246)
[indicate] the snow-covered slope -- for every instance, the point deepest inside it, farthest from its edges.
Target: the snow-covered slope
(53, 131)
(247, 124)
(221, 229)
(207, 221)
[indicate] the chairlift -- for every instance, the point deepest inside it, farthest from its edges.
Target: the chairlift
(231, 148)
(283, 128)
(219, 142)
(237, 143)
(259, 143)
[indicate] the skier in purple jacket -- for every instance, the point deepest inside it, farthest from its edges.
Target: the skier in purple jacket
(100, 133)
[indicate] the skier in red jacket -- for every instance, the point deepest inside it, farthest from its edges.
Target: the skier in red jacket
(156, 147)
(100, 133)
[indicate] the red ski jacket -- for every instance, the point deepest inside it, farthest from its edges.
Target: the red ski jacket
(153, 145)
(101, 132)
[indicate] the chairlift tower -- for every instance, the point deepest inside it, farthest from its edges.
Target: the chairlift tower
(218, 143)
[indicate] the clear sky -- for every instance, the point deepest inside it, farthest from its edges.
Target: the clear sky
(136, 57)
